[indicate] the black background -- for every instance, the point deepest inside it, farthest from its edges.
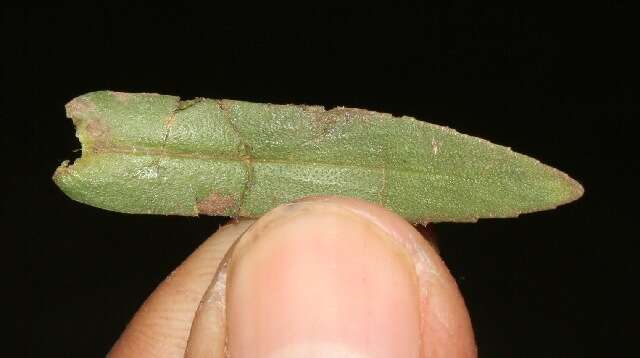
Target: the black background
(559, 84)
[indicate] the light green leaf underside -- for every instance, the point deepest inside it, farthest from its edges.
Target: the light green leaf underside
(148, 153)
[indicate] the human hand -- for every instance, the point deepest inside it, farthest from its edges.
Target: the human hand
(324, 277)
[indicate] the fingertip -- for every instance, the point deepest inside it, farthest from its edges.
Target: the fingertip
(332, 274)
(446, 325)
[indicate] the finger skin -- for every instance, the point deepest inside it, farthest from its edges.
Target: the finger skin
(322, 282)
(445, 326)
(168, 322)
(161, 326)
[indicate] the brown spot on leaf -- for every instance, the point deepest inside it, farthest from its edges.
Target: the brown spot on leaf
(182, 105)
(89, 124)
(121, 96)
(351, 113)
(223, 104)
(216, 204)
(326, 120)
(62, 169)
(96, 129)
(87, 120)
(78, 107)
(313, 109)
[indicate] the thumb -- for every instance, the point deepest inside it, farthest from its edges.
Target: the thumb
(331, 277)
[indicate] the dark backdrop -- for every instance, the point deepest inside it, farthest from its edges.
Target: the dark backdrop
(559, 84)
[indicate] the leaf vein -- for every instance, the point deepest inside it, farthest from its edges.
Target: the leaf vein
(245, 157)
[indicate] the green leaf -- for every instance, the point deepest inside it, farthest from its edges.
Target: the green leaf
(154, 154)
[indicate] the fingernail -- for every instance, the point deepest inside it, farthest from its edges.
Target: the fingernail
(316, 280)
